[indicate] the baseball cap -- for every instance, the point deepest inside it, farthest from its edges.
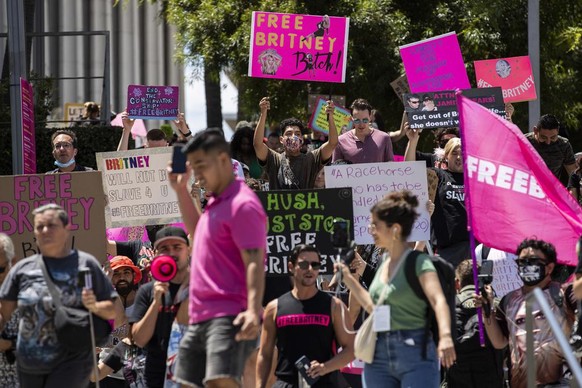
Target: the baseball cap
(170, 232)
(124, 261)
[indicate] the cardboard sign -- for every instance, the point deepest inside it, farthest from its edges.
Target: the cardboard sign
(400, 86)
(74, 111)
(303, 217)
(28, 132)
(298, 47)
(312, 100)
(153, 102)
(513, 75)
(370, 182)
(439, 109)
(341, 116)
(435, 64)
(137, 187)
(79, 193)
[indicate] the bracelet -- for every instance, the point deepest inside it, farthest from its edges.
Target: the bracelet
(186, 134)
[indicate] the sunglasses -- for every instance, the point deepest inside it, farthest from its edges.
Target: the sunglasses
(304, 265)
(362, 121)
(415, 101)
(530, 260)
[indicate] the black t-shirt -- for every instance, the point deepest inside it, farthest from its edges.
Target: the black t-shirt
(304, 328)
(427, 157)
(157, 347)
(131, 359)
(449, 220)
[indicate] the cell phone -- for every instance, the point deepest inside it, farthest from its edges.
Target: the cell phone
(303, 365)
(340, 237)
(178, 160)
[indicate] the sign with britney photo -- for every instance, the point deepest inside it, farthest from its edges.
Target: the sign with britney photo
(435, 64)
(513, 75)
(298, 47)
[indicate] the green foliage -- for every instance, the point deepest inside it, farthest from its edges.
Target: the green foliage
(89, 141)
(216, 33)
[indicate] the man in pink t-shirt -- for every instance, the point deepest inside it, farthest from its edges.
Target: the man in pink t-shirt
(227, 269)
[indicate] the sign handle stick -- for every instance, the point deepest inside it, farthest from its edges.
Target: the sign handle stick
(329, 99)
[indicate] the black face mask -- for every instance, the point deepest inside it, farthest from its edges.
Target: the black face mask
(531, 272)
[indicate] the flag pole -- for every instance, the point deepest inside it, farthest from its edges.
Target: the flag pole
(469, 223)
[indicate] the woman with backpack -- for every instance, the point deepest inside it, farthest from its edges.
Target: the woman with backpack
(403, 354)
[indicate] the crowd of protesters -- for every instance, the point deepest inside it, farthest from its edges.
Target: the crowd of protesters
(204, 325)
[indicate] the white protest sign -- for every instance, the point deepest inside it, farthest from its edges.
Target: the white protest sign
(372, 181)
(505, 275)
(137, 188)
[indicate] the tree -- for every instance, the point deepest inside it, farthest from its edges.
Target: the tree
(216, 34)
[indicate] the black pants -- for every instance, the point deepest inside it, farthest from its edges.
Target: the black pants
(480, 370)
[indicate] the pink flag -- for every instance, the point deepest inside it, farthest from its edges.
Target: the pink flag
(510, 192)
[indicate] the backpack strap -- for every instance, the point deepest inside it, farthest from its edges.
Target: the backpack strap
(414, 283)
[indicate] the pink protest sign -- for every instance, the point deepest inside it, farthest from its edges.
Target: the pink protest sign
(298, 47)
(435, 64)
(28, 139)
(513, 75)
(153, 102)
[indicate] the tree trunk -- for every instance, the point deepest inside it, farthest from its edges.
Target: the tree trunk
(213, 103)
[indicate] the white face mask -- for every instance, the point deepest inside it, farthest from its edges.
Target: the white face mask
(65, 165)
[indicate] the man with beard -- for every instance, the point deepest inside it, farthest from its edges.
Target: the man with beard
(305, 322)
(292, 169)
(506, 325)
(125, 277)
(555, 150)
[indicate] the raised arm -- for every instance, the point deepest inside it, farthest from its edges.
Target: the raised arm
(261, 148)
(184, 132)
(189, 211)
(413, 136)
(332, 140)
(395, 136)
(127, 126)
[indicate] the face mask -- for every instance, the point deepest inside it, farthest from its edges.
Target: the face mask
(531, 273)
(293, 143)
(64, 165)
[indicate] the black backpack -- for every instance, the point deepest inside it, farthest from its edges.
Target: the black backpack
(446, 274)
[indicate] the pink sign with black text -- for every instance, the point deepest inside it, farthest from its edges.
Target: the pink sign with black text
(298, 47)
(28, 132)
(435, 64)
(513, 75)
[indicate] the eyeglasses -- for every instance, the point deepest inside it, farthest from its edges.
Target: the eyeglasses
(316, 265)
(362, 121)
(64, 145)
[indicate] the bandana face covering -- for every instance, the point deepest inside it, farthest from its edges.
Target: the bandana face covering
(531, 272)
(293, 143)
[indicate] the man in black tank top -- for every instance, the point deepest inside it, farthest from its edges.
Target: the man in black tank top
(305, 322)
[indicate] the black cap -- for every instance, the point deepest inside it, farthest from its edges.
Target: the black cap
(170, 232)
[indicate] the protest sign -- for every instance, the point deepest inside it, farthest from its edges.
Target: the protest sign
(303, 217)
(137, 187)
(313, 98)
(435, 64)
(439, 109)
(28, 137)
(298, 47)
(400, 86)
(341, 117)
(74, 111)
(370, 182)
(80, 194)
(153, 102)
(513, 75)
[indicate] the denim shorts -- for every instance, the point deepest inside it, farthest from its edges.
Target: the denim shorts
(398, 361)
(208, 351)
